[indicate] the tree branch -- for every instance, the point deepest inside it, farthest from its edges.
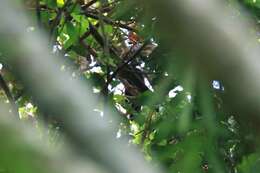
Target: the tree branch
(129, 59)
(89, 4)
(109, 21)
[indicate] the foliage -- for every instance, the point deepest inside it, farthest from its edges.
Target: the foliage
(176, 118)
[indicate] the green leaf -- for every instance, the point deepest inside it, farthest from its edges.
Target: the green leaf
(51, 3)
(250, 164)
(60, 3)
(72, 33)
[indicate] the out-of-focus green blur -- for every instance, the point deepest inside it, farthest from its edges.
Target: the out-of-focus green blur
(129, 86)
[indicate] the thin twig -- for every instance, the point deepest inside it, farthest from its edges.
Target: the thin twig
(147, 125)
(106, 54)
(57, 19)
(100, 40)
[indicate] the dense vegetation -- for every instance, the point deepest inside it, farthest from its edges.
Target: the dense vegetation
(177, 118)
